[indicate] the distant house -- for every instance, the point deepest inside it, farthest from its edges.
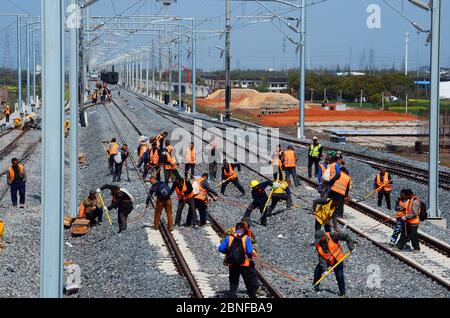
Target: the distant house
(350, 73)
(250, 82)
(278, 85)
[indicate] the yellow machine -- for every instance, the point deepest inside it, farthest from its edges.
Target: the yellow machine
(2, 231)
(18, 122)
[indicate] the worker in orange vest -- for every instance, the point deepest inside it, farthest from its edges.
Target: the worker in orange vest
(7, 112)
(113, 148)
(190, 162)
(383, 185)
(141, 149)
(90, 209)
(340, 189)
(277, 164)
(330, 252)
(17, 179)
(152, 162)
(229, 174)
(400, 211)
(411, 221)
(185, 193)
(289, 160)
(169, 161)
(203, 190)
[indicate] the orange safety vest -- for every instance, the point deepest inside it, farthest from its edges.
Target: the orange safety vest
(231, 174)
(416, 220)
(82, 211)
(154, 157)
(332, 170)
(180, 193)
(8, 110)
(335, 253)
(276, 160)
(190, 156)
(12, 174)
(341, 184)
(322, 167)
(387, 187)
(202, 195)
(113, 147)
(170, 159)
(244, 239)
(142, 150)
(290, 159)
(402, 212)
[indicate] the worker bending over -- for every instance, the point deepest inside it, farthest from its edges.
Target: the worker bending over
(90, 209)
(122, 200)
(280, 192)
(203, 190)
(185, 193)
(383, 185)
(239, 249)
(17, 178)
(330, 253)
(162, 192)
(229, 174)
(259, 196)
(400, 211)
(324, 209)
(411, 220)
(322, 188)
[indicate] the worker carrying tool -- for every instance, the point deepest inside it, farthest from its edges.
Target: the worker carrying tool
(280, 192)
(169, 161)
(141, 150)
(90, 209)
(7, 113)
(383, 185)
(162, 192)
(185, 193)
(122, 200)
(331, 254)
(229, 174)
(289, 160)
(239, 249)
(259, 196)
(190, 161)
(324, 212)
(339, 189)
(321, 188)
(252, 269)
(151, 162)
(314, 156)
(119, 160)
(400, 211)
(203, 190)
(277, 164)
(415, 211)
(112, 150)
(17, 178)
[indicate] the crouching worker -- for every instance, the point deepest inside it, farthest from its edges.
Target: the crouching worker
(122, 200)
(162, 192)
(281, 192)
(324, 209)
(330, 253)
(91, 210)
(259, 197)
(239, 250)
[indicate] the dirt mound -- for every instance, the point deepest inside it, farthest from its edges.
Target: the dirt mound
(291, 117)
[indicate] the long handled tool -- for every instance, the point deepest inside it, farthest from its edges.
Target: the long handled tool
(332, 268)
(226, 180)
(104, 207)
(373, 192)
(104, 148)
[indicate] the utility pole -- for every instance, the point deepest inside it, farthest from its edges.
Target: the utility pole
(433, 194)
(169, 84)
(228, 61)
(153, 69)
(406, 53)
(417, 54)
(194, 66)
(146, 72)
(301, 130)
(34, 71)
(180, 61)
(52, 225)
(28, 63)
(19, 66)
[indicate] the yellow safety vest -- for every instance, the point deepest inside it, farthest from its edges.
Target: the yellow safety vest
(325, 212)
(314, 151)
(282, 186)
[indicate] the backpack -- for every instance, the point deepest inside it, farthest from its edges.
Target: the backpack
(326, 175)
(423, 215)
(118, 157)
(236, 253)
(162, 191)
(196, 186)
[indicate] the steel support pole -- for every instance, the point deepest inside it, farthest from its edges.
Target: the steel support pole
(73, 77)
(194, 66)
(169, 84)
(301, 131)
(146, 72)
(153, 70)
(34, 71)
(180, 61)
(19, 66)
(141, 70)
(52, 247)
(28, 65)
(227, 61)
(433, 194)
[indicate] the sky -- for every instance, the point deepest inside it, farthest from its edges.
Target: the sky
(336, 33)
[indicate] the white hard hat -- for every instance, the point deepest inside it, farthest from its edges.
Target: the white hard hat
(315, 138)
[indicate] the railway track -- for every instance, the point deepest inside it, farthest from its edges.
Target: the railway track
(13, 144)
(432, 261)
(179, 257)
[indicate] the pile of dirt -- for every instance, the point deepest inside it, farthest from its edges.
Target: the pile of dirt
(290, 118)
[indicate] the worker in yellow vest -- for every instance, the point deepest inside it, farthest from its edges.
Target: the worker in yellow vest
(340, 189)
(190, 162)
(7, 112)
(289, 160)
(113, 148)
(314, 156)
(280, 192)
(324, 212)
(383, 185)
